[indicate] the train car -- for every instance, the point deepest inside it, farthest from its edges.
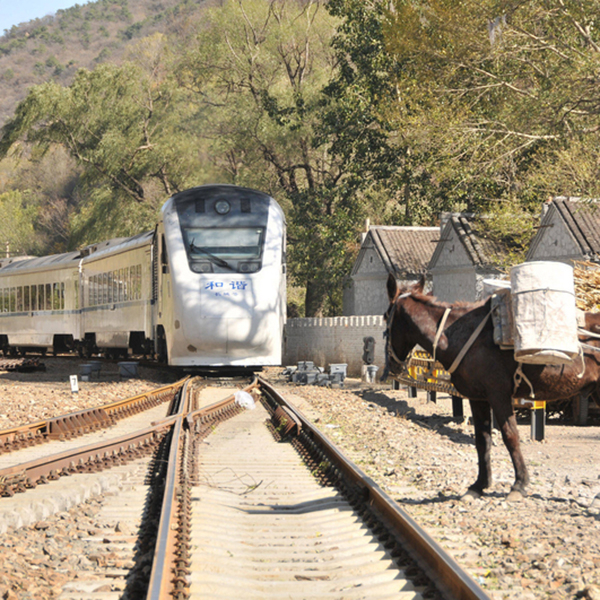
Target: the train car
(116, 297)
(39, 302)
(206, 288)
(221, 276)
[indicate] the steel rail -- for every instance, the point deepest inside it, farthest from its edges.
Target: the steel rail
(163, 577)
(160, 584)
(446, 574)
(90, 456)
(82, 421)
(217, 406)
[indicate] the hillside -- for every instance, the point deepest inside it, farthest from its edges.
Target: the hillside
(55, 47)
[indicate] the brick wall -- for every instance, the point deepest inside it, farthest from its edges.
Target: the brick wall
(334, 340)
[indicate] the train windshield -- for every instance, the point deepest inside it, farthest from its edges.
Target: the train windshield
(234, 248)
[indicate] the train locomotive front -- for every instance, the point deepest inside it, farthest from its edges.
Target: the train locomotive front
(220, 272)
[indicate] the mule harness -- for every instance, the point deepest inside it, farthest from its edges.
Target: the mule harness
(468, 343)
(390, 348)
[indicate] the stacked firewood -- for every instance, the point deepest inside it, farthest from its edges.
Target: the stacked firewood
(587, 286)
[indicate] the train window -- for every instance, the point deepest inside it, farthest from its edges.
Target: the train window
(19, 299)
(104, 288)
(12, 300)
(62, 295)
(133, 277)
(1, 299)
(26, 303)
(93, 290)
(55, 297)
(34, 305)
(110, 287)
(126, 284)
(41, 305)
(48, 296)
(233, 248)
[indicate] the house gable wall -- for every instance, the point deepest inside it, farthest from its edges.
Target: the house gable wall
(452, 271)
(370, 295)
(554, 242)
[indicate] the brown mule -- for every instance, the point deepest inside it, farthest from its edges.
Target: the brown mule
(485, 374)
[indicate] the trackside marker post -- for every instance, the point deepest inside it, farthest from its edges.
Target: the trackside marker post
(74, 384)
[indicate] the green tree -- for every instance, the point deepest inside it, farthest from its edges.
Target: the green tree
(124, 126)
(388, 150)
(508, 86)
(17, 234)
(257, 70)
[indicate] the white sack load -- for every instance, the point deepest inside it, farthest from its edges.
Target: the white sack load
(545, 314)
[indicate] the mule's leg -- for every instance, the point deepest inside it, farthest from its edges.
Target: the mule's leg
(482, 421)
(507, 422)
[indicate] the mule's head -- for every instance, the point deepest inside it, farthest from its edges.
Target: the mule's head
(398, 343)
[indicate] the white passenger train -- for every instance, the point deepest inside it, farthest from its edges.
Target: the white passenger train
(206, 288)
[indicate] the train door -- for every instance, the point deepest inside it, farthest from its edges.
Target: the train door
(162, 276)
(77, 280)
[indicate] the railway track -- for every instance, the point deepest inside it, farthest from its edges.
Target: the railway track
(211, 500)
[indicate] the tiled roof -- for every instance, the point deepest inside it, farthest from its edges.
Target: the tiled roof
(482, 250)
(583, 220)
(404, 250)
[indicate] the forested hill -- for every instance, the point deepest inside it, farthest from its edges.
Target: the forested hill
(343, 110)
(56, 46)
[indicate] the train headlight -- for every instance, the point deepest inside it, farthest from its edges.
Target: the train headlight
(203, 267)
(249, 267)
(222, 207)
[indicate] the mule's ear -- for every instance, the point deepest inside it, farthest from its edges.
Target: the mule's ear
(419, 287)
(392, 287)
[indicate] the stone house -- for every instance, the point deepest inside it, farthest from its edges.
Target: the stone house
(402, 251)
(463, 258)
(569, 230)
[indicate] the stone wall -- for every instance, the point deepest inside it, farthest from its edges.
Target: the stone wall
(334, 340)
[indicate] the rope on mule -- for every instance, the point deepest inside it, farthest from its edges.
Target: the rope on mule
(519, 377)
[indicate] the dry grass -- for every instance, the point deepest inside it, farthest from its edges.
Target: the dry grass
(587, 286)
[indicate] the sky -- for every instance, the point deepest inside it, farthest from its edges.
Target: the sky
(13, 12)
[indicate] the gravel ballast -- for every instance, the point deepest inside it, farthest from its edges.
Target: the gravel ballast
(545, 547)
